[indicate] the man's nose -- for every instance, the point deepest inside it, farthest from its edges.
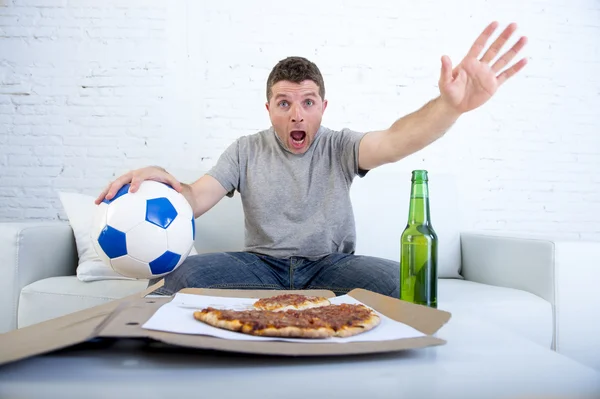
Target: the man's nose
(297, 114)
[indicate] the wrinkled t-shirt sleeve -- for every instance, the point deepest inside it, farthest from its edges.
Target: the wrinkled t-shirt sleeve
(227, 169)
(348, 142)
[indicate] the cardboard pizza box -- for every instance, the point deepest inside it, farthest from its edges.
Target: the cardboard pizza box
(124, 319)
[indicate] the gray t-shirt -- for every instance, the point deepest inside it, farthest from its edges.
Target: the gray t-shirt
(294, 204)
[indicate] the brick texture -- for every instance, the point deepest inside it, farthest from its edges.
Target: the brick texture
(89, 90)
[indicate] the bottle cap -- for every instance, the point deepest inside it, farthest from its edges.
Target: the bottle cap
(420, 175)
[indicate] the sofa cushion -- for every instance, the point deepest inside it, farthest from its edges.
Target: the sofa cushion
(515, 310)
(56, 296)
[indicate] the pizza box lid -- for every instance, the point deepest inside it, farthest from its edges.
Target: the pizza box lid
(123, 318)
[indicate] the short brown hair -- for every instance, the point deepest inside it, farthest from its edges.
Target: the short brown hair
(297, 70)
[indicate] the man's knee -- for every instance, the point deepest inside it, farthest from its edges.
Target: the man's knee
(367, 272)
(386, 276)
(190, 273)
(383, 275)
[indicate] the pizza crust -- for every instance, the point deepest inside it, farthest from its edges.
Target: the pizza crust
(213, 318)
(292, 332)
(285, 302)
(369, 324)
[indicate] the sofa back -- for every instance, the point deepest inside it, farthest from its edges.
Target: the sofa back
(380, 203)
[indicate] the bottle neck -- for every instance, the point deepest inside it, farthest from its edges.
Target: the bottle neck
(418, 212)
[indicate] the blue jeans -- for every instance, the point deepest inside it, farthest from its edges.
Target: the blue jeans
(338, 272)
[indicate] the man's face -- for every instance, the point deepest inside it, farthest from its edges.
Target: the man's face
(296, 110)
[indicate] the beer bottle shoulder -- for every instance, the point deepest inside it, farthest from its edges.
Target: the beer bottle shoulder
(419, 230)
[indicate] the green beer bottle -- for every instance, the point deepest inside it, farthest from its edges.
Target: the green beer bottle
(418, 250)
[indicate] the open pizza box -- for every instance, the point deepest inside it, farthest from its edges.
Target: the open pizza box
(125, 318)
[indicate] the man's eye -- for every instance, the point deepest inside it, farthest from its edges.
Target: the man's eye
(310, 102)
(283, 103)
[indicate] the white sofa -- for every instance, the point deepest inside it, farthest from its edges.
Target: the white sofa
(539, 288)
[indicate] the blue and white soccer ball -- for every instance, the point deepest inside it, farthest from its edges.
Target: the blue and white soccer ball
(145, 234)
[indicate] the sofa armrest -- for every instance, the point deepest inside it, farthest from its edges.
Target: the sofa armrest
(577, 314)
(514, 262)
(31, 251)
(564, 273)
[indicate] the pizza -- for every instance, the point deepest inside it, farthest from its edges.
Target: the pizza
(327, 321)
(290, 301)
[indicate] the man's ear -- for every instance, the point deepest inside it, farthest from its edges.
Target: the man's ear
(325, 102)
(267, 105)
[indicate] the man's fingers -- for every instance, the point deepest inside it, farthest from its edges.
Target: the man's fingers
(136, 178)
(135, 184)
(495, 48)
(479, 44)
(115, 186)
(102, 195)
(446, 73)
(504, 76)
(509, 55)
(113, 189)
(175, 183)
(162, 176)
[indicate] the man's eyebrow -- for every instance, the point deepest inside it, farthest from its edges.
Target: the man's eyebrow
(308, 94)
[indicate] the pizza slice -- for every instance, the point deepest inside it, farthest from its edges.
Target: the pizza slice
(343, 320)
(290, 302)
(265, 323)
(348, 320)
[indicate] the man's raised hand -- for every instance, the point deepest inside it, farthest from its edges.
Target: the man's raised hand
(475, 80)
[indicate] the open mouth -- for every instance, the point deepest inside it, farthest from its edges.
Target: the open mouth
(298, 138)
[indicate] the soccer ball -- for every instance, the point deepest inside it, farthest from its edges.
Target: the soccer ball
(145, 234)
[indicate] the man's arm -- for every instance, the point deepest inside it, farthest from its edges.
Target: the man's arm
(462, 89)
(203, 194)
(407, 135)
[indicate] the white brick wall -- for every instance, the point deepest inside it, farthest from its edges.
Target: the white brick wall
(91, 89)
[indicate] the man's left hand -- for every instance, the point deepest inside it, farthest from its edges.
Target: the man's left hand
(474, 81)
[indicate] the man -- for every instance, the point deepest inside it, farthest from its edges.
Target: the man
(294, 179)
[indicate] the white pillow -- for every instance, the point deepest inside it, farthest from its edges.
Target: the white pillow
(80, 210)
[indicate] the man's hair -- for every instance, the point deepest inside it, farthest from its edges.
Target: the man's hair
(297, 70)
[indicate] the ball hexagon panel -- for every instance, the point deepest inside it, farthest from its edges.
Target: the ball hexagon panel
(160, 211)
(130, 267)
(181, 204)
(113, 242)
(146, 242)
(126, 212)
(180, 236)
(164, 263)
